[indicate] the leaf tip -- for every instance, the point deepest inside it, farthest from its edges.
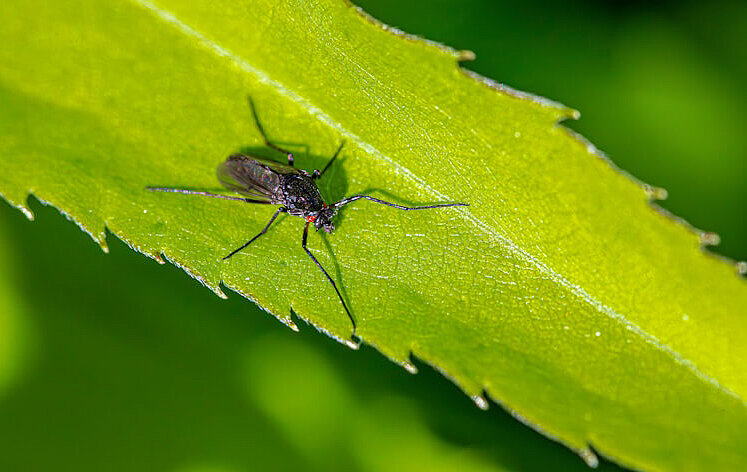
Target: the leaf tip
(289, 323)
(589, 456)
(26, 211)
(465, 55)
(352, 344)
(480, 401)
(100, 239)
(708, 238)
(211, 284)
(20, 206)
(655, 193)
(409, 367)
(213, 288)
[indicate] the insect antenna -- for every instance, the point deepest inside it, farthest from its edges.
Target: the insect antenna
(345, 201)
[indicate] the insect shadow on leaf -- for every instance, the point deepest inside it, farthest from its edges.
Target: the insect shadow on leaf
(263, 181)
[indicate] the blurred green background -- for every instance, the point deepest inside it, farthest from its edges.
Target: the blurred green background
(112, 362)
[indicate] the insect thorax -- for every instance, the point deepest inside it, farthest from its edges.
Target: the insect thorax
(301, 194)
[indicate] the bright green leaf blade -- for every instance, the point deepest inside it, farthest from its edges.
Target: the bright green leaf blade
(559, 290)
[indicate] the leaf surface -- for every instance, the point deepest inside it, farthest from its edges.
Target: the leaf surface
(559, 291)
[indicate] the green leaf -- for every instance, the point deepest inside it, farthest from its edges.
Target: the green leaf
(559, 291)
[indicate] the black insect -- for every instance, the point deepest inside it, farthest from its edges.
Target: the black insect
(267, 182)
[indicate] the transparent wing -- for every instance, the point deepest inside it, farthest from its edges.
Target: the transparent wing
(253, 176)
(275, 166)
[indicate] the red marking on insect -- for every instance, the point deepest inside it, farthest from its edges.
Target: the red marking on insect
(311, 218)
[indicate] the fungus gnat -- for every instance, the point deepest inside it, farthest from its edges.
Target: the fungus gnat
(267, 182)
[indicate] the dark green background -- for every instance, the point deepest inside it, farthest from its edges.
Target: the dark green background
(128, 365)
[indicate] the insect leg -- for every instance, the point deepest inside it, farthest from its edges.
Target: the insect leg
(264, 230)
(303, 245)
(318, 174)
(264, 135)
(345, 201)
(206, 194)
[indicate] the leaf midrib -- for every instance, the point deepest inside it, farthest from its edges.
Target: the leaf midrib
(490, 232)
